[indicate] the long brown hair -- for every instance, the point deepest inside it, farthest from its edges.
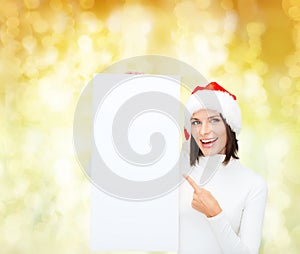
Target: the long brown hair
(231, 146)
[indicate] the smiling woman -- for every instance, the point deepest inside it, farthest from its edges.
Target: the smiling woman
(224, 213)
(212, 135)
(209, 132)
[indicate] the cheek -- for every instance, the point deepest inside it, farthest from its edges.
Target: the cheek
(223, 137)
(221, 132)
(224, 140)
(194, 133)
(195, 138)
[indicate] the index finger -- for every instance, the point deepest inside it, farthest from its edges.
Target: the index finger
(192, 183)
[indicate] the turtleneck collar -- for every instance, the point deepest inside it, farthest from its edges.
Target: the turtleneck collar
(209, 166)
(216, 159)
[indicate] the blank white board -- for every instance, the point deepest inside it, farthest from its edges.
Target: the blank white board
(124, 224)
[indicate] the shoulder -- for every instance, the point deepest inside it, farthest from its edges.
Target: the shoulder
(239, 167)
(256, 183)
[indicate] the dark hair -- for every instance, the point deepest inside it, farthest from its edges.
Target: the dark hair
(231, 146)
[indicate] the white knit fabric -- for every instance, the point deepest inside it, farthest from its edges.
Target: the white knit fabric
(242, 195)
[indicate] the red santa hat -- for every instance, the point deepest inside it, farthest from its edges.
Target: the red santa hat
(214, 97)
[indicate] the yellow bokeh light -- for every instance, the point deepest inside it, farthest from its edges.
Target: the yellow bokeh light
(51, 49)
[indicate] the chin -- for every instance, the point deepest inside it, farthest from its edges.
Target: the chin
(209, 153)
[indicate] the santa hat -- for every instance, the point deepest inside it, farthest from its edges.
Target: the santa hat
(214, 97)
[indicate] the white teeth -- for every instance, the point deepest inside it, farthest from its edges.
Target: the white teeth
(208, 140)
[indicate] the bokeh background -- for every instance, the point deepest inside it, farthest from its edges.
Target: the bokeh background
(49, 50)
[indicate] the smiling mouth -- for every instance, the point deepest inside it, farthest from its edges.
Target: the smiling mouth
(208, 141)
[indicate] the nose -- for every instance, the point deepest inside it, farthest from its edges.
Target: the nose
(204, 129)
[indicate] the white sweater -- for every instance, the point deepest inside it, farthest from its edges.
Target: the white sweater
(242, 194)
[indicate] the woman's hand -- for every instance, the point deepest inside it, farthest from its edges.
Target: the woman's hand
(203, 200)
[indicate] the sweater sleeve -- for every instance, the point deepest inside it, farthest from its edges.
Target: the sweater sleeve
(247, 241)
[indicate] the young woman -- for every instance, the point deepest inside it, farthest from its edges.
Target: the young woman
(222, 202)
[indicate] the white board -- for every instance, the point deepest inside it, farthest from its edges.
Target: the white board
(133, 222)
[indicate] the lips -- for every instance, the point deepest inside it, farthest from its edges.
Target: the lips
(207, 143)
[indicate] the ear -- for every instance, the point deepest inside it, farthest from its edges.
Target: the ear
(186, 134)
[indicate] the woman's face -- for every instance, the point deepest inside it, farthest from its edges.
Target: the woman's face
(209, 132)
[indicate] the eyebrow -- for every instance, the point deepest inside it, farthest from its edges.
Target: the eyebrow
(193, 118)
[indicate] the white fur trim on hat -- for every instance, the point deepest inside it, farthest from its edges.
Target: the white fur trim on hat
(220, 101)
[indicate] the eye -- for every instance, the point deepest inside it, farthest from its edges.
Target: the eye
(215, 120)
(195, 122)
